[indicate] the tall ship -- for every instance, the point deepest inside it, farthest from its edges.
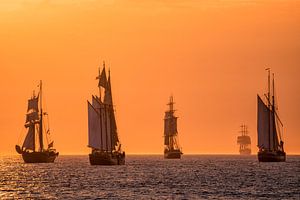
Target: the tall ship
(33, 149)
(172, 149)
(269, 127)
(244, 141)
(102, 127)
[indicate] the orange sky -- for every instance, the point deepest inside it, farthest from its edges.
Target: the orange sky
(210, 55)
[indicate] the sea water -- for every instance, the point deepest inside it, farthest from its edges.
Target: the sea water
(151, 177)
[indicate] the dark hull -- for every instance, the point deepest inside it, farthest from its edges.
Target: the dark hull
(245, 152)
(107, 158)
(39, 157)
(270, 156)
(175, 154)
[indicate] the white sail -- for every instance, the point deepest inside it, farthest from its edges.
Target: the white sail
(29, 140)
(103, 130)
(106, 129)
(166, 132)
(96, 103)
(170, 127)
(114, 132)
(170, 124)
(94, 127)
(33, 116)
(174, 125)
(263, 115)
(244, 139)
(273, 130)
(113, 125)
(109, 131)
(108, 93)
(33, 104)
(102, 79)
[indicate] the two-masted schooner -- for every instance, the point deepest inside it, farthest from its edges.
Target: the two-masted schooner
(33, 149)
(102, 128)
(172, 148)
(244, 141)
(269, 127)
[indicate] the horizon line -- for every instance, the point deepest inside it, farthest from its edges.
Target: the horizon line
(154, 154)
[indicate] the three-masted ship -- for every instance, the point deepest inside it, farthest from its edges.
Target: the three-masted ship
(102, 128)
(172, 148)
(269, 128)
(244, 141)
(33, 149)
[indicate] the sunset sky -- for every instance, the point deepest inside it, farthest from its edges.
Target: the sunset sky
(210, 54)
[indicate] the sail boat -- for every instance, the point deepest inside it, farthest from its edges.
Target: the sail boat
(35, 126)
(269, 128)
(244, 141)
(102, 128)
(172, 148)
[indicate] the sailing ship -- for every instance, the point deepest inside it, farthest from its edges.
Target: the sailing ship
(172, 149)
(102, 128)
(269, 127)
(33, 149)
(244, 141)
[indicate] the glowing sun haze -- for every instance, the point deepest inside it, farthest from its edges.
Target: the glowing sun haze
(211, 55)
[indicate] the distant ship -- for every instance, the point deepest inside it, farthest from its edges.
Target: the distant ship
(269, 128)
(244, 141)
(32, 151)
(102, 128)
(172, 148)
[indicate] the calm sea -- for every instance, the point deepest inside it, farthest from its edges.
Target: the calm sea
(151, 177)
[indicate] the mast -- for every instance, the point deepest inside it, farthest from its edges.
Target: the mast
(171, 117)
(33, 130)
(100, 121)
(105, 125)
(33, 136)
(111, 110)
(273, 112)
(269, 106)
(41, 120)
(100, 106)
(99, 85)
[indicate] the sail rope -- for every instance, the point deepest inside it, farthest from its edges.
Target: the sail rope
(21, 132)
(46, 127)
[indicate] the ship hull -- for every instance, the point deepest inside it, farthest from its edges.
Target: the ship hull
(39, 157)
(107, 158)
(270, 156)
(175, 154)
(245, 152)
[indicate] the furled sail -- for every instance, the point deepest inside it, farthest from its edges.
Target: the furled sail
(263, 115)
(29, 140)
(94, 127)
(33, 104)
